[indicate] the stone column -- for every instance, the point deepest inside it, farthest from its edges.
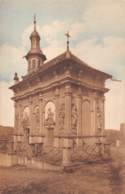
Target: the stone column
(56, 131)
(67, 127)
(66, 160)
(67, 109)
(57, 112)
(40, 112)
(79, 124)
(93, 116)
(16, 118)
(103, 112)
(31, 116)
(16, 126)
(20, 128)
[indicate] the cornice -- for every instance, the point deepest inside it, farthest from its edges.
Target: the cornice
(58, 83)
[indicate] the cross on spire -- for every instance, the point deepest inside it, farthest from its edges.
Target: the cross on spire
(34, 22)
(68, 36)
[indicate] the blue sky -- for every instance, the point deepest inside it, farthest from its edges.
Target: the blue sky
(97, 31)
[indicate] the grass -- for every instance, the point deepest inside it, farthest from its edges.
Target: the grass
(103, 178)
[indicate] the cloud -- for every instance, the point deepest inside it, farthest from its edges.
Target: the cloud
(6, 104)
(107, 55)
(115, 103)
(105, 17)
(11, 61)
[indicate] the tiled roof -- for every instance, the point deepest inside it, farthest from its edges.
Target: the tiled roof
(66, 56)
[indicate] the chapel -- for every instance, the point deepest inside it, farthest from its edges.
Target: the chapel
(57, 98)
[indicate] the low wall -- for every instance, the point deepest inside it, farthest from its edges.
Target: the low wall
(7, 160)
(42, 165)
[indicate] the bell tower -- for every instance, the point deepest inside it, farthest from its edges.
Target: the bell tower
(35, 56)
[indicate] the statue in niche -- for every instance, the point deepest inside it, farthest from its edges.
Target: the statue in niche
(61, 116)
(25, 120)
(74, 118)
(49, 122)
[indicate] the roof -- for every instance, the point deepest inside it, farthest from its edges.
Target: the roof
(35, 34)
(66, 56)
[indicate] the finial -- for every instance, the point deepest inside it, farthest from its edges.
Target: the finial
(34, 22)
(68, 36)
(16, 78)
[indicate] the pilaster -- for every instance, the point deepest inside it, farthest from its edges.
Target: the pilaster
(31, 116)
(41, 114)
(93, 115)
(57, 111)
(79, 105)
(67, 109)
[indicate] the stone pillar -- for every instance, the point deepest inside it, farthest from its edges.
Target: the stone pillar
(66, 140)
(103, 112)
(43, 121)
(15, 120)
(57, 112)
(31, 116)
(41, 116)
(66, 160)
(67, 109)
(93, 116)
(79, 125)
(16, 126)
(20, 128)
(100, 114)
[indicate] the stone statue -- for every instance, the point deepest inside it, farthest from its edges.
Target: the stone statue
(61, 116)
(74, 117)
(49, 122)
(25, 121)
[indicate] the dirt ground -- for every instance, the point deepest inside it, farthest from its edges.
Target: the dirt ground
(103, 178)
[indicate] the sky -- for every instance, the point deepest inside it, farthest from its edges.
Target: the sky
(97, 31)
